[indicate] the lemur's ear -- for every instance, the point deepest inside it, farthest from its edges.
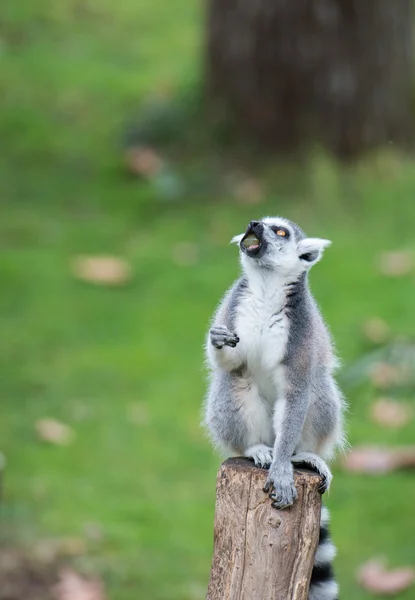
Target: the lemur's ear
(237, 238)
(311, 250)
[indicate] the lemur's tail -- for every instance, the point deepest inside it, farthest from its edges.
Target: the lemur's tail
(322, 584)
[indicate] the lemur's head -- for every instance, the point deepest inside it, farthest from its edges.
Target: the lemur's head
(280, 245)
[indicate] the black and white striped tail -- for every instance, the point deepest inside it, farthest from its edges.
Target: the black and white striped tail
(322, 584)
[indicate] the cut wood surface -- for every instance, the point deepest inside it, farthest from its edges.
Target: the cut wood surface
(261, 553)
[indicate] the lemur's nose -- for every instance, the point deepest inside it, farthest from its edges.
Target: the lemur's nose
(253, 223)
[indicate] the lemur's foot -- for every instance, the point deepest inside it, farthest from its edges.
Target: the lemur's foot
(317, 464)
(221, 336)
(260, 454)
(280, 486)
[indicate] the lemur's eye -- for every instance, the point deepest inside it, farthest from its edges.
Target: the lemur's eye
(280, 231)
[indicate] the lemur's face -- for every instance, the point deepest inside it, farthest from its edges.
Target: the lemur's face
(279, 244)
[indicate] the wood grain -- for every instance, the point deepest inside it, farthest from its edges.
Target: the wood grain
(261, 553)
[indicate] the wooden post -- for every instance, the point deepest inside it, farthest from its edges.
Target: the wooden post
(261, 553)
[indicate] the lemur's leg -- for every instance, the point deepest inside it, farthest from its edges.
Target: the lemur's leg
(238, 418)
(315, 463)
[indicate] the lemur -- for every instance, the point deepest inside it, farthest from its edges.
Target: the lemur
(272, 396)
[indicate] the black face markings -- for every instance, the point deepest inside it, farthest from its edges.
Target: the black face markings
(281, 232)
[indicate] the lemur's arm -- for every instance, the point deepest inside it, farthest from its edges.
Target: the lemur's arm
(222, 344)
(289, 415)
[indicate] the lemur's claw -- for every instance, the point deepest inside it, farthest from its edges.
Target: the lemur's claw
(280, 506)
(221, 336)
(281, 489)
(316, 464)
(323, 485)
(260, 454)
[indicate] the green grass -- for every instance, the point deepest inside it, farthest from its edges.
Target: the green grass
(72, 72)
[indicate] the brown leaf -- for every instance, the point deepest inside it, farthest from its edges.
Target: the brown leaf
(72, 586)
(48, 550)
(72, 546)
(185, 254)
(143, 161)
(384, 375)
(374, 459)
(390, 413)
(54, 432)
(374, 577)
(102, 270)
(395, 264)
(376, 330)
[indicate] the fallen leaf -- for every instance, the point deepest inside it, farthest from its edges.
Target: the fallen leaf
(376, 330)
(72, 586)
(185, 254)
(383, 375)
(143, 161)
(71, 546)
(45, 551)
(390, 413)
(102, 270)
(54, 432)
(395, 264)
(376, 460)
(374, 577)
(48, 550)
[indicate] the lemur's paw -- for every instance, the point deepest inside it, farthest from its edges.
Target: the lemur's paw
(317, 464)
(260, 454)
(221, 336)
(280, 487)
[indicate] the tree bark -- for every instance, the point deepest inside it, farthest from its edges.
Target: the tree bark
(339, 71)
(261, 553)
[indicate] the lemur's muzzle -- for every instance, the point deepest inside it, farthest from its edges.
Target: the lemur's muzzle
(253, 240)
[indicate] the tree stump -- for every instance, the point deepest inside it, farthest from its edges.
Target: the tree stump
(261, 553)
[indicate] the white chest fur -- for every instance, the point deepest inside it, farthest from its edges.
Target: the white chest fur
(263, 330)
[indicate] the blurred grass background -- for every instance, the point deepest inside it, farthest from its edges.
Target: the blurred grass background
(124, 367)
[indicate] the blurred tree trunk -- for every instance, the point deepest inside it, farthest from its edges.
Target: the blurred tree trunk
(339, 71)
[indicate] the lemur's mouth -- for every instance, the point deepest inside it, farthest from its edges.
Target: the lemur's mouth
(252, 241)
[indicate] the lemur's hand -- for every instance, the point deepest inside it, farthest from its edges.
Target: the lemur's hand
(221, 336)
(280, 485)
